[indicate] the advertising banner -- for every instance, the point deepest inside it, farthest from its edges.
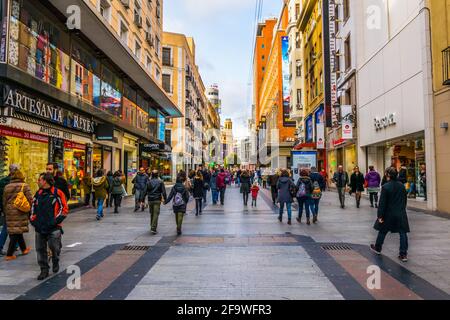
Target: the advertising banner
(309, 129)
(320, 135)
(347, 123)
(302, 160)
(287, 122)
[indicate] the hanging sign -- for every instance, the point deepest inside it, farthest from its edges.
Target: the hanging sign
(347, 123)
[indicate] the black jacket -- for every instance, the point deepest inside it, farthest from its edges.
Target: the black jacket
(61, 184)
(392, 208)
(273, 180)
(245, 184)
(156, 190)
(357, 182)
(140, 181)
(198, 188)
(178, 187)
(341, 180)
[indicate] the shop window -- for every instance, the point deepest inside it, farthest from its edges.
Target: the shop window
(97, 159)
(141, 119)
(129, 111)
(153, 125)
(74, 169)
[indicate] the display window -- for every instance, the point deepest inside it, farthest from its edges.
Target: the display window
(153, 123)
(74, 169)
(97, 159)
(28, 150)
(350, 158)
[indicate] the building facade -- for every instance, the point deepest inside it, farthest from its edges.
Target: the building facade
(80, 99)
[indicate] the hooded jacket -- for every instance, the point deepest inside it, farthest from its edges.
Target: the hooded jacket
(115, 188)
(100, 187)
(178, 188)
(198, 188)
(16, 220)
(284, 194)
(373, 179)
(308, 185)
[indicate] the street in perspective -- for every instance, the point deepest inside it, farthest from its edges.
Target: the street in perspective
(210, 150)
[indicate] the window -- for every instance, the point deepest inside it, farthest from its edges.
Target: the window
(157, 46)
(297, 40)
(262, 46)
(137, 50)
(298, 71)
(158, 11)
(263, 57)
(167, 57)
(336, 18)
(157, 74)
(263, 69)
(137, 13)
(348, 54)
(105, 9)
(346, 10)
(297, 11)
(166, 83)
(299, 99)
(123, 33)
(149, 64)
(337, 64)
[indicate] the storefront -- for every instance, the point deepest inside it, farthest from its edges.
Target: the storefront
(156, 156)
(130, 160)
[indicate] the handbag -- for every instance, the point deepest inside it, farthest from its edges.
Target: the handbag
(21, 202)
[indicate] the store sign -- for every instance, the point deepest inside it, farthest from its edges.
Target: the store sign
(384, 122)
(22, 102)
(152, 147)
(6, 121)
(347, 123)
(17, 133)
(338, 142)
(320, 135)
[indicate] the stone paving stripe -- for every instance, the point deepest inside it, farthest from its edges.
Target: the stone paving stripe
(357, 265)
(347, 286)
(121, 287)
(415, 283)
(48, 288)
(100, 277)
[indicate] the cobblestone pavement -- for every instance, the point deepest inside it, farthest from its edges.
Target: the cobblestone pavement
(237, 252)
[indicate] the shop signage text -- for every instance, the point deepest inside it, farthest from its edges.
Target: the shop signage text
(42, 109)
(56, 133)
(384, 122)
(151, 147)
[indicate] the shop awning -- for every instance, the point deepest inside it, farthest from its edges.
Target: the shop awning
(309, 145)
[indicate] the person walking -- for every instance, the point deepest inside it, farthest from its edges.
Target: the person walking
(340, 178)
(198, 192)
(403, 174)
(49, 210)
(206, 182)
(304, 191)
(245, 186)
(140, 185)
(221, 185)
(101, 188)
(109, 200)
(254, 190)
(86, 185)
(423, 179)
(17, 199)
(116, 191)
(156, 193)
(392, 216)
(180, 197)
(238, 177)
(357, 181)
(318, 187)
(324, 175)
(273, 182)
(213, 185)
(285, 188)
(373, 180)
(60, 182)
(3, 183)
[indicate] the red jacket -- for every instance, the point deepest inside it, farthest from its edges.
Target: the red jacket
(254, 190)
(220, 180)
(48, 211)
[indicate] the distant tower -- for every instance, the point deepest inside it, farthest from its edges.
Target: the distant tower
(228, 124)
(212, 93)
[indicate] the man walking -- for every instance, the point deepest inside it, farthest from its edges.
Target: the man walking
(48, 211)
(273, 182)
(392, 215)
(156, 192)
(221, 185)
(140, 186)
(340, 178)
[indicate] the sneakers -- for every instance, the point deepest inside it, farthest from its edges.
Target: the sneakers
(10, 258)
(2, 253)
(179, 232)
(308, 222)
(43, 275)
(374, 249)
(154, 232)
(403, 258)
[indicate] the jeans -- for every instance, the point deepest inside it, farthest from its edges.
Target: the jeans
(222, 195)
(3, 236)
(15, 239)
(205, 193)
(100, 207)
(403, 242)
(215, 196)
(53, 241)
(155, 208)
(274, 192)
(289, 209)
(315, 207)
(198, 205)
(306, 203)
(139, 198)
(341, 192)
(179, 219)
(374, 196)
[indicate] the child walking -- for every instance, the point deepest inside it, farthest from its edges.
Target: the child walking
(254, 190)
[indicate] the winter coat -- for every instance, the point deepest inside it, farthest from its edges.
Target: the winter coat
(308, 186)
(373, 179)
(140, 181)
(16, 220)
(284, 190)
(178, 188)
(86, 184)
(115, 187)
(220, 181)
(101, 187)
(206, 177)
(254, 190)
(245, 184)
(392, 208)
(341, 179)
(273, 180)
(213, 181)
(357, 182)
(156, 190)
(198, 188)
(317, 177)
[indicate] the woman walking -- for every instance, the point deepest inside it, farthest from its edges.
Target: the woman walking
(373, 180)
(304, 192)
(357, 185)
(17, 211)
(116, 191)
(101, 188)
(198, 192)
(180, 197)
(285, 187)
(245, 186)
(110, 178)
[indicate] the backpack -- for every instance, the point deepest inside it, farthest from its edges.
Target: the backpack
(178, 200)
(317, 192)
(21, 202)
(301, 190)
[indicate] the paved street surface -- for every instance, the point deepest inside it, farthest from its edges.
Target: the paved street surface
(232, 252)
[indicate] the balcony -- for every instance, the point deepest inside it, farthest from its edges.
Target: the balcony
(446, 66)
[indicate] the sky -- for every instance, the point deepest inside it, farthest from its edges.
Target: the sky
(223, 33)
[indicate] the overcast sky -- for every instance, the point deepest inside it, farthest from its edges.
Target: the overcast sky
(223, 33)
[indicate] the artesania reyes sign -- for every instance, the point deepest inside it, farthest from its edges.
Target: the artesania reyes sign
(25, 103)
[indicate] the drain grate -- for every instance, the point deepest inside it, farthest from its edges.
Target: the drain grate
(135, 248)
(337, 247)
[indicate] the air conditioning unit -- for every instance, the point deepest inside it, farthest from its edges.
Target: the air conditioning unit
(138, 20)
(125, 3)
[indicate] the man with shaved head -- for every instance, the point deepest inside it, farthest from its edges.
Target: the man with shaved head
(156, 192)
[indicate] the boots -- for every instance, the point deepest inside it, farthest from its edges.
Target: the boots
(289, 222)
(43, 275)
(315, 219)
